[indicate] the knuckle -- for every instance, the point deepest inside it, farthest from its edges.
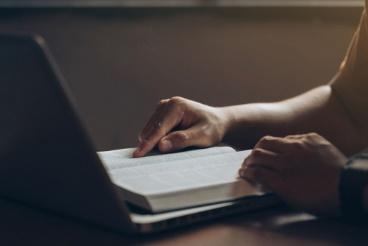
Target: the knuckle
(176, 102)
(176, 99)
(173, 104)
(312, 136)
(266, 139)
(257, 152)
(162, 102)
(181, 136)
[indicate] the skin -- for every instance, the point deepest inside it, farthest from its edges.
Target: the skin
(299, 145)
(303, 169)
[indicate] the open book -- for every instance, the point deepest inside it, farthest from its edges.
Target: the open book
(178, 180)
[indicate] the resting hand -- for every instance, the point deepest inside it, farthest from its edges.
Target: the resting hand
(302, 169)
(178, 123)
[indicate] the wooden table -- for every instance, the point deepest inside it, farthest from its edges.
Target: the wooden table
(22, 225)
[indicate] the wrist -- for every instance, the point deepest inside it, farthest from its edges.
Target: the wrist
(228, 117)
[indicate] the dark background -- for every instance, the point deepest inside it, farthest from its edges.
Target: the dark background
(119, 62)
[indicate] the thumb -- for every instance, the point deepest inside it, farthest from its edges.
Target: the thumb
(181, 139)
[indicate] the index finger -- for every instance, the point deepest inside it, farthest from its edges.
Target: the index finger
(166, 117)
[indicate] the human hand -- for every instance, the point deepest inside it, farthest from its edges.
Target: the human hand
(178, 123)
(303, 170)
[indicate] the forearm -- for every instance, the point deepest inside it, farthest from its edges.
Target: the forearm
(317, 110)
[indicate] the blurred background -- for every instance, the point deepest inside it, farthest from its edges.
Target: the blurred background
(120, 57)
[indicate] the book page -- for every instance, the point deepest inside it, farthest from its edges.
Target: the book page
(122, 158)
(180, 175)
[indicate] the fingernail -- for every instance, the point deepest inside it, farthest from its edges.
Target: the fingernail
(166, 145)
(247, 162)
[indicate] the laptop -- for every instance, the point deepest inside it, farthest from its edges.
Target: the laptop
(48, 160)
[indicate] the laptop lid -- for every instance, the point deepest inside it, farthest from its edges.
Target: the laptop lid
(46, 158)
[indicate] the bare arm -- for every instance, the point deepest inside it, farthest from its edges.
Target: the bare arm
(185, 123)
(317, 110)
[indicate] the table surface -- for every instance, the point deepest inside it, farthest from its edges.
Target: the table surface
(22, 225)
